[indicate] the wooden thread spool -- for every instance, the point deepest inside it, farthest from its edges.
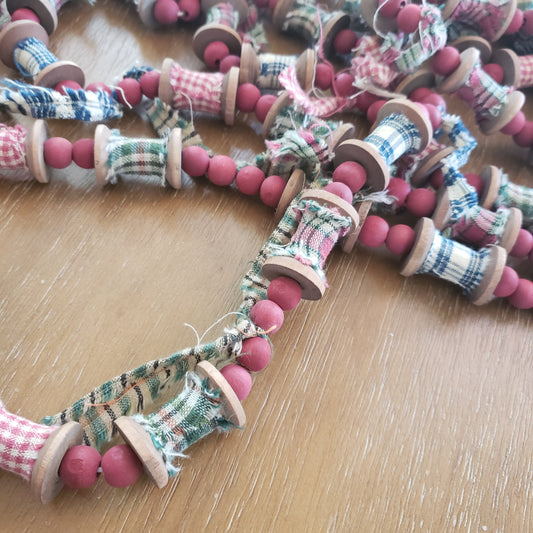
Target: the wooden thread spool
(45, 10)
(173, 429)
(370, 11)
(310, 237)
(477, 273)
(263, 69)
(210, 92)
(35, 452)
(23, 46)
(473, 85)
(517, 70)
(115, 155)
(220, 27)
(401, 128)
(474, 41)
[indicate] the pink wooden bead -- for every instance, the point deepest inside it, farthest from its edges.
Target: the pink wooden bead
(229, 61)
(239, 380)
(408, 18)
(97, 86)
(373, 110)
(434, 99)
(418, 94)
(79, 467)
(374, 231)
(474, 180)
(421, 202)
(214, 53)
(255, 354)
(194, 161)
(435, 116)
(515, 125)
(400, 189)
(190, 9)
(350, 173)
(271, 190)
(263, 106)
(436, 179)
(390, 8)
(166, 12)
(261, 3)
(341, 190)
(523, 244)
(507, 284)
(527, 26)
(267, 315)
(150, 83)
(524, 137)
(365, 100)
(324, 76)
(495, 71)
(516, 22)
(24, 13)
(222, 170)
(57, 152)
(247, 96)
(129, 92)
(121, 467)
(83, 153)
(400, 239)
(69, 84)
(345, 41)
(272, 3)
(249, 180)
(343, 84)
(446, 60)
(284, 291)
(522, 298)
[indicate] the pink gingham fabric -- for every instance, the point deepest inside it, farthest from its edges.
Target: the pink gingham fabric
(526, 72)
(370, 66)
(20, 442)
(12, 149)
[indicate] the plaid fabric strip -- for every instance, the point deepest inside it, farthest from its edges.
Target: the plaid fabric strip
(486, 16)
(407, 165)
(461, 138)
(513, 195)
(31, 56)
(305, 19)
(12, 147)
(200, 90)
(395, 136)
(368, 65)
(186, 419)
(223, 13)
(353, 8)
(271, 67)
(526, 72)
(136, 72)
(456, 263)
(20, 443)
(524, 5)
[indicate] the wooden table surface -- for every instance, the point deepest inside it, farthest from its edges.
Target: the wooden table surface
(392, 404)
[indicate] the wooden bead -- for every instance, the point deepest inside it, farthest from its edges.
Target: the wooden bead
(263, 106)
(507, 284)
(239, 380)
(189, 9)
(341, 190)
(324, 76)
(229, 61)
(214, 53)
(373, 232)
(79, 467)
(247, 97)
(222, 170)
(24, 13)
(522, 297)
(524, 137)
(195, 161)
(166, 12)
(523, 244)
(255, 354)
(58, 152)
(267, 315)
(249, 180)
(400, 189)
(400, 239)
(284, 291)
(83, 153)
(345, 41)
(121, 466)
(421, 202)
(408, 18)
(271, 190)
(129, 92)
(149, 83)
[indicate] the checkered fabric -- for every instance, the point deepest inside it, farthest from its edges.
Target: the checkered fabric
(12, 148)
(369, 67)
(20, 442)
(252, 31)
(40, 102)
(306, 19)
(455, 262)
(223, 13)
(271, 65)
(526, 72)
(352, 8)
(461, 138)
(513, 195)
(31, 56)
(192, 415)
(201, 91)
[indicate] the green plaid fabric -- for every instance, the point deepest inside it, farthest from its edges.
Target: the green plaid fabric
(223, 13)
(304, 19)
(513, 195)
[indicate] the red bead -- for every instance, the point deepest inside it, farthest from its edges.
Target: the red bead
(474, 180)
(527, 26)
(374, 231)
(345, 41)
(434, 99)
(324, 76)
(57, 152)
(522, 298)
(524, 137)
(390, 8)
(261, 3)
(239, 380)
(121, 467)
(214, 53)
(400, 189)
(523, 244)
(83, 153)
(79, 467)
(408, 18)
(194, 161)
(515, 125)
(421, 202)
(97, 86)
(129, 92)
(67, 84)
(495, 71)
(267, 315)
(400, 239)
(373, 110)
(263, 106)
(247, 96)
(436, 179)
(166, 12)
(249, 180)
(222, 170)
(255, 354)
(507, 284)
(365, 100)
(341, 190)
(229, 61)
(350, 173)
(150, 83)
(343, 84)
(284, 291)
(272, 3)
(418, 94)
(516, 22)
(446, 60)
(435, 116)
(189, 9)
(271, 190)
(24, 13)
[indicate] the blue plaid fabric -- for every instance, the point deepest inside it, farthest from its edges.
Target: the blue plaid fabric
(136, 72)
(271, 66)
(31, 56)
(460, 137)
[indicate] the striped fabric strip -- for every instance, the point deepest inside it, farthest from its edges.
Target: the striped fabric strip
(271, 65)
(223, 13)
(305, 20)
(31, 56)
(513, 195)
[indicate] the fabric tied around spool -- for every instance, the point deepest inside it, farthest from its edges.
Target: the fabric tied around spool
(31, 56)
(271, 66)
(223, 13)
(12, 147)
(306, 19)
(513, 195)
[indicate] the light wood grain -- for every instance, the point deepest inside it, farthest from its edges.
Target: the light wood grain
(391, 404)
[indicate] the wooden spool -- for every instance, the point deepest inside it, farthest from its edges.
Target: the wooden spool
(44, 10)
(146, 14)
(429, 164)
(380, 23)
(229, 95)
(510, 63)
(34, 142)
(491, 178)
(474, 41)
(13, 32)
